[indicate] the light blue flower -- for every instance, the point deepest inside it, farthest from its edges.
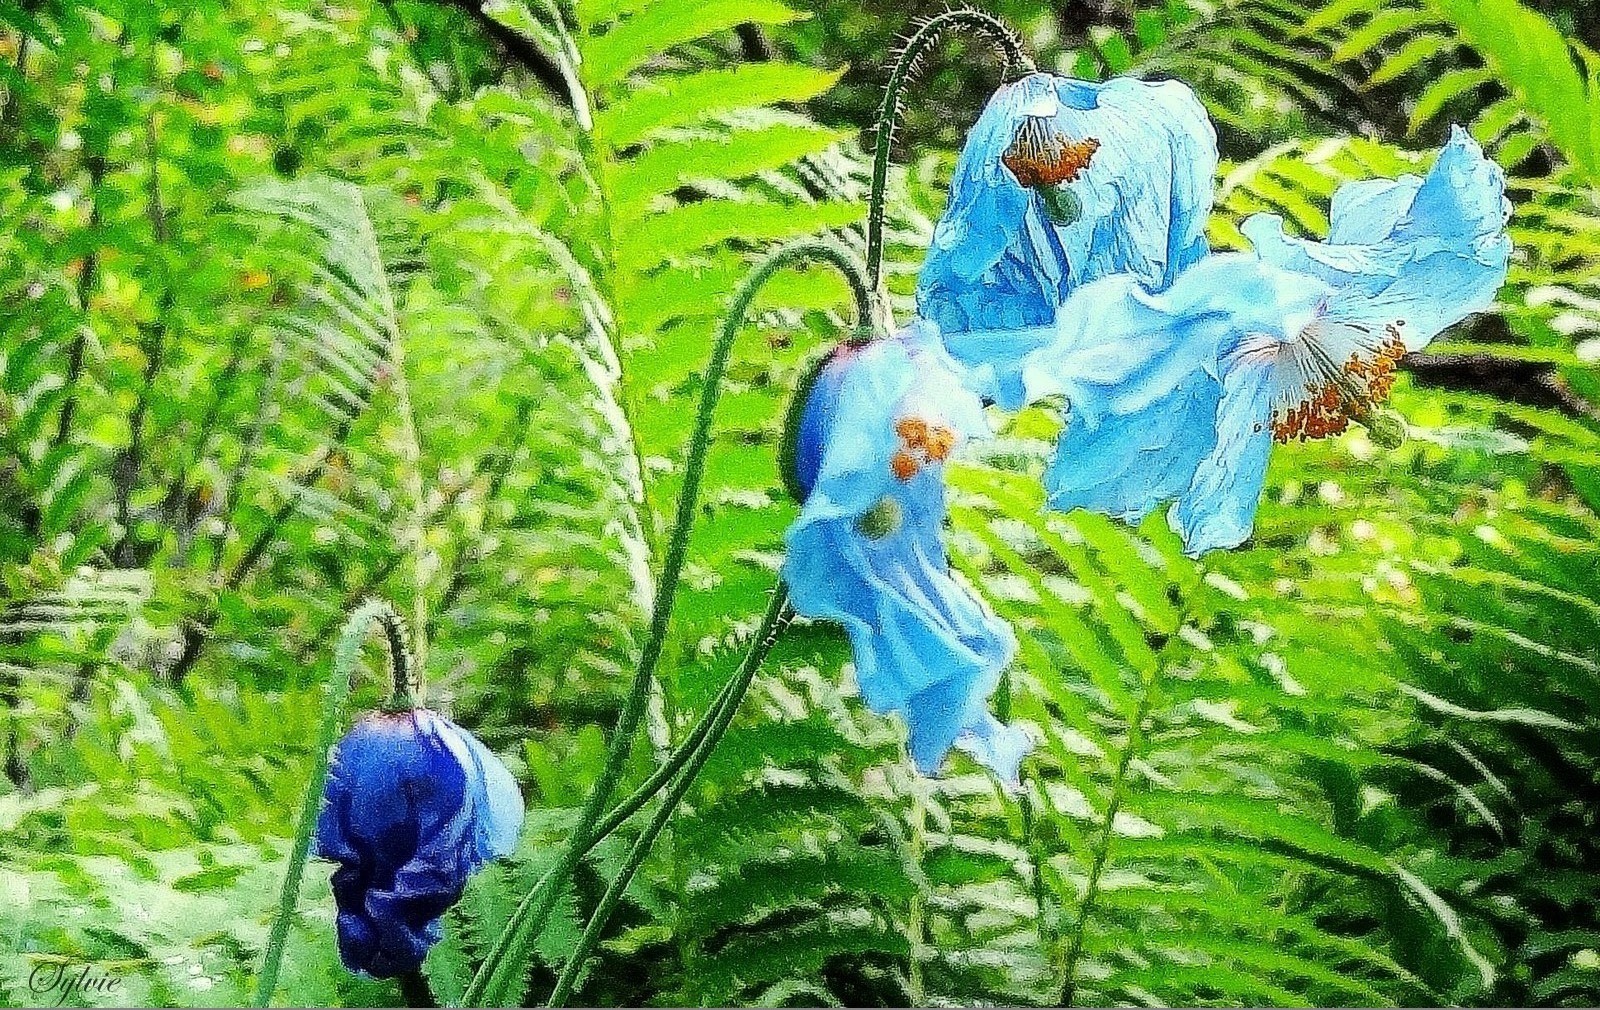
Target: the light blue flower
(1062, 182)
(877, 426)
(1179, 394)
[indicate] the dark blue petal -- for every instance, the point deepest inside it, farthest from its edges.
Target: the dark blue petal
(413, 806)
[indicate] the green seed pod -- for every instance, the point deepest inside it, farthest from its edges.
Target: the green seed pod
(1385, 427)
(881, 519)
(1062, 204)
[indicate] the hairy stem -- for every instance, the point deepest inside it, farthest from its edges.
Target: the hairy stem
(777, 618)
(345, 656)
(922, 40)
(529, 917)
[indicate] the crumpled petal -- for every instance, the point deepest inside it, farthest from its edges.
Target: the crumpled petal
(1424, 252)
(999, 262)
(867, 551)
(1172, 394)
(1218, 508)
(412, 807)
(1141, 373)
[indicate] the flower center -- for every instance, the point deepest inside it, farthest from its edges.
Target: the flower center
(921, 443)
(1322, 393)
(1041, 157)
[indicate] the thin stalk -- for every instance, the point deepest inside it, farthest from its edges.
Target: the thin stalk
(772, 625)
(1102, 850)
(530, 914)
(917, 913)
(86, 279)
(345, 656)
(1030, 838)
(917, 47)
(127, 474)
(714, 720)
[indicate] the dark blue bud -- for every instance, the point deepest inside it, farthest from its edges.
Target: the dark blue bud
(810, 418)
(414, 804)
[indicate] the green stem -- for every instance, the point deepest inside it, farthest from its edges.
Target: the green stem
(917, 913)
(529, 916)
(777, 618)
(345, 656)
(922, 40)
(1102, 851)
(1030, 837)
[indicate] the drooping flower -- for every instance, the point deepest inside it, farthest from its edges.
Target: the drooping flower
(1062, 182)
(877, 425)
(414, 804)
(1179, 394)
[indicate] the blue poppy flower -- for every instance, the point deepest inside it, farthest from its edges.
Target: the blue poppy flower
(414, 804)
(1179, 394)
(878, 423)
(1062, 182)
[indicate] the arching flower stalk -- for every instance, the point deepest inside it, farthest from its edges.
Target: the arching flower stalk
(678, 771)
(409, 804)
(925, 34)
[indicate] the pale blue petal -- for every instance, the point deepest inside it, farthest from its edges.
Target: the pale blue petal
(1367, 211)
(997, 746)
(495, 802)
(1218, 509)
(1125, 464)
(1141, 369)
(923, 644)
(997, 261)
(1421, 253)
(1143, 375)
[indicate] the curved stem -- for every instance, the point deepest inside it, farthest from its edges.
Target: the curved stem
(529, 916)
(777, 618)
(922, 40)
(345, 655)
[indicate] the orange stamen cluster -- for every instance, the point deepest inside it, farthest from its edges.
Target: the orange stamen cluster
(1040, 157)
(1328, 406)
(920, 443)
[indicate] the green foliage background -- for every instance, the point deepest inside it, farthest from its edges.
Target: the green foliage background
(303, 301)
